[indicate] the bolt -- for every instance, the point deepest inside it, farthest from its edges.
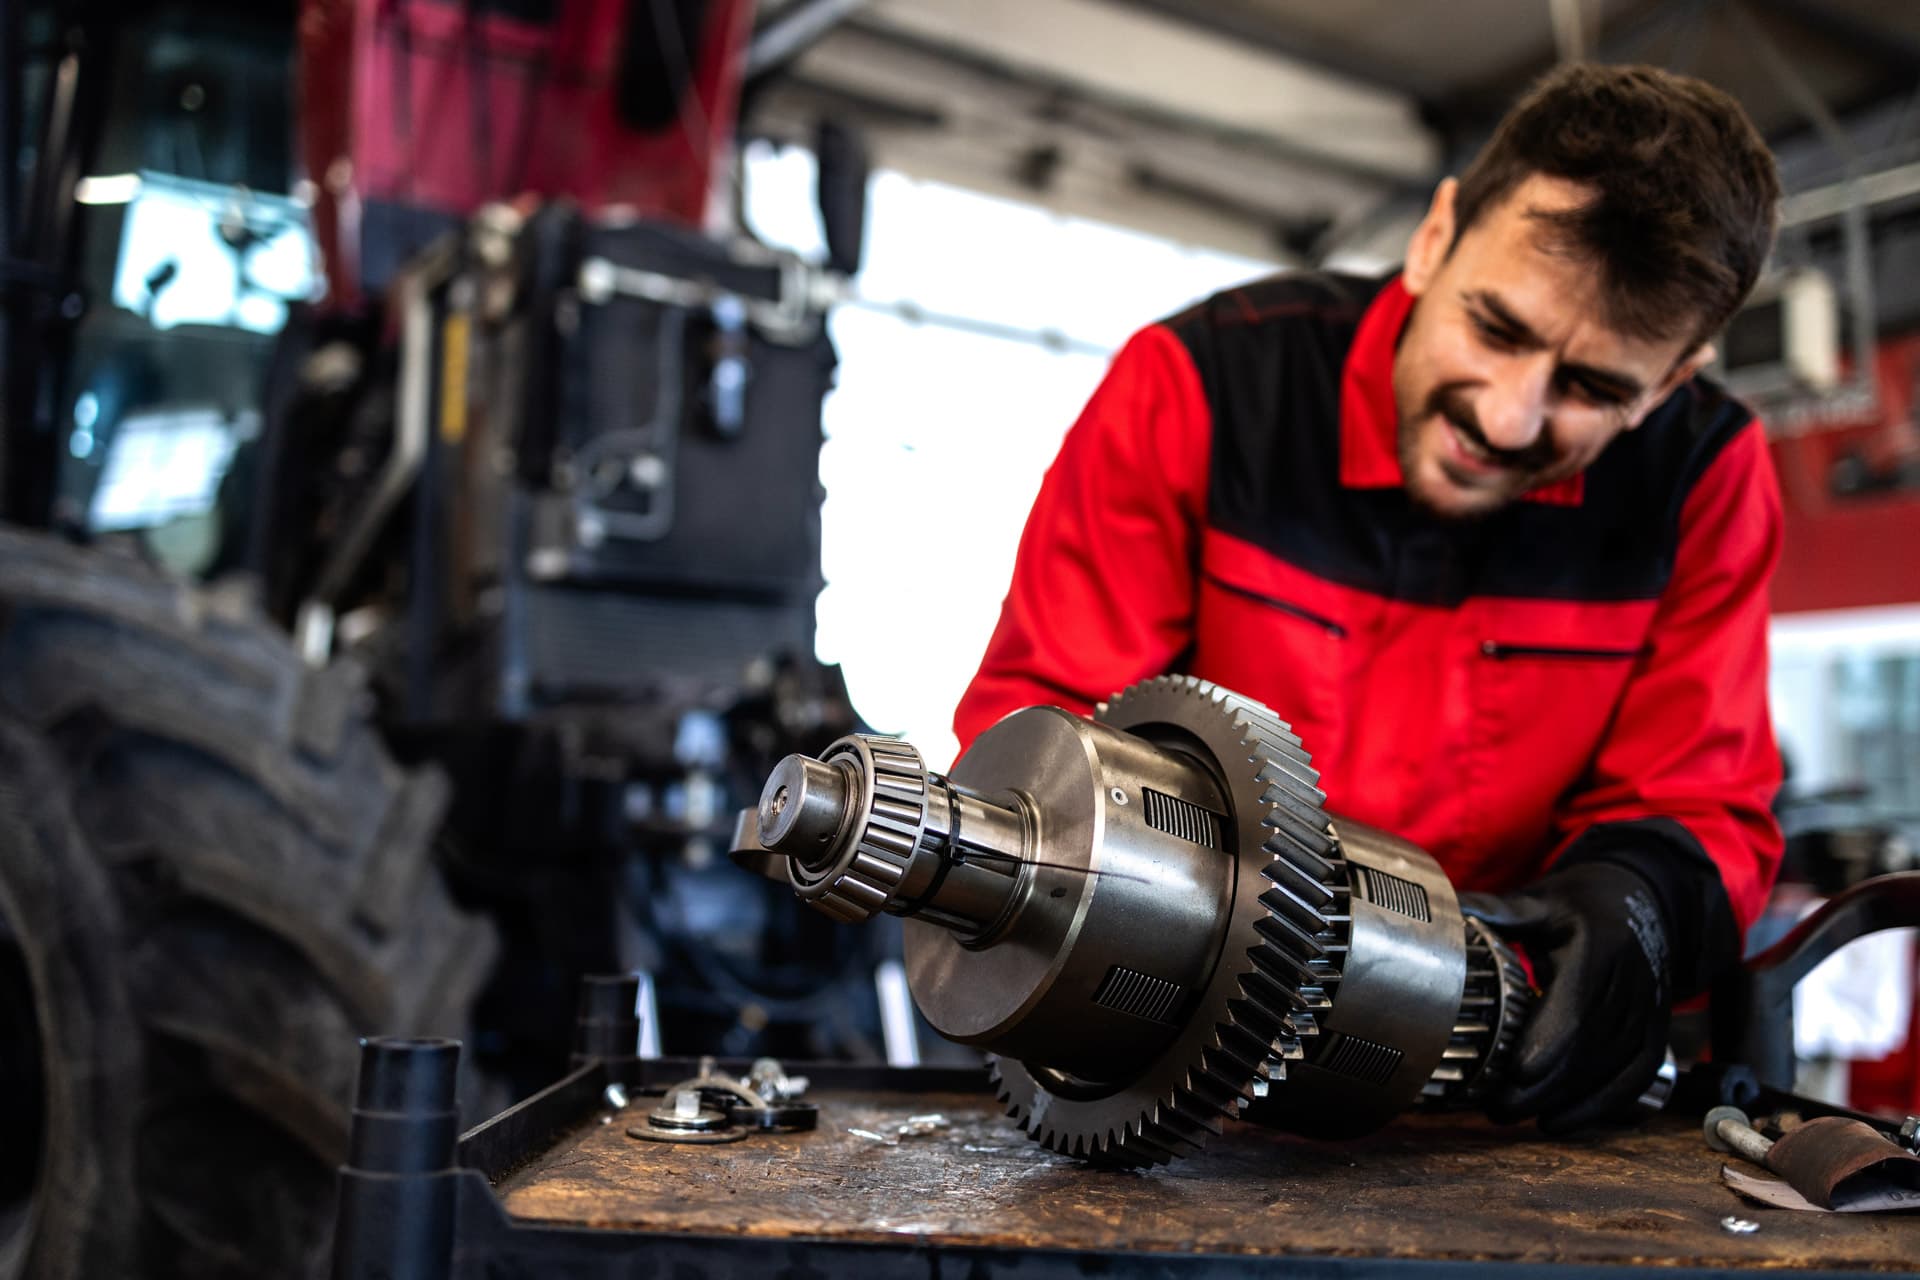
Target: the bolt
(1739, 1226)
(778, 804)
(1910, 1134)
(648, 471)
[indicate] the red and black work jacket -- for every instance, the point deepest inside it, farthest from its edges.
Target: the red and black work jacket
(1230, 504)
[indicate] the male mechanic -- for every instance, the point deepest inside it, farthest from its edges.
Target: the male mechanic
(1480, 533)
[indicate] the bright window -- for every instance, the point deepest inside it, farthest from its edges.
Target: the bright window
(983, 325)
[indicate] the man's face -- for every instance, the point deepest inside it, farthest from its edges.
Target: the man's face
(1507, 376)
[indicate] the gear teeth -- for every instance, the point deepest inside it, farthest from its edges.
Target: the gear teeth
(1493, 1007)
(1293, 951)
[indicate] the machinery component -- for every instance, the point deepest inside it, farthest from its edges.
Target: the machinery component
(1728, 1130)
(1833, 1162)
(1752, 1007)
(1152, 923)
(682, 1111)
(710, 1107)
(1665, 1081)
(1492, 1011)
(650, 1132)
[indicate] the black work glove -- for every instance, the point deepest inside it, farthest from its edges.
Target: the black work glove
(1632, 918)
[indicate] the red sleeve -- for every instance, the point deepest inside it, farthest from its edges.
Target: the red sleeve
(1692, 740)
(1103, 586)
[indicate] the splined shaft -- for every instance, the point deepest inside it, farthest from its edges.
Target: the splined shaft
(869, 829)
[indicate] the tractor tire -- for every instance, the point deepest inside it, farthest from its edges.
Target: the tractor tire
(213, 880)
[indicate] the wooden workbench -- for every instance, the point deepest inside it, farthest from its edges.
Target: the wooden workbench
(1433, 1188)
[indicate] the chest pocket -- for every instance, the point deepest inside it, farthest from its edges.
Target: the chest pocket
(1546, 682)
(1276, 648)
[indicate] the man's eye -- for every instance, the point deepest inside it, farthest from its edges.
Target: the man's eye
(1495, 334)
(1594, 394)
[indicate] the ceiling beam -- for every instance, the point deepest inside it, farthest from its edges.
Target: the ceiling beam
(1245, 24)
(989, 67)
(782, 38)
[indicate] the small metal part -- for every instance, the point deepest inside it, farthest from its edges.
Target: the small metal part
(684, 1112)
(1660, 1091)
(850, 822)
(803, 807)
(616, 1096)
(1118, 796)
(647, 1133)
(768, 1078)
(1739, 1226)
(1728, 1130)
(921, 1126)
(709, 1107)
(1910, 1134)
(1494, 1005)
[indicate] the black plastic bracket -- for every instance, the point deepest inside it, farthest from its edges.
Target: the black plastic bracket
(1753, 1008)
(398, 1187)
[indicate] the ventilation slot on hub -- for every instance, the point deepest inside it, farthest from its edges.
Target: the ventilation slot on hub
(1362, 1059)
(1140, 994)
(1391, 893)
(1182, 818)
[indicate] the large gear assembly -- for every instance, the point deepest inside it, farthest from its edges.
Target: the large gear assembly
(1152, 924)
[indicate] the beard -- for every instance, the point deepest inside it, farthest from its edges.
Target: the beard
(1447, 409)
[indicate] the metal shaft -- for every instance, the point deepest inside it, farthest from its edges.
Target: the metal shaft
(957, 856)
(1728, 1129)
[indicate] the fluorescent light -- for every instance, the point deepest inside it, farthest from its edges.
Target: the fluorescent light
(116, 188)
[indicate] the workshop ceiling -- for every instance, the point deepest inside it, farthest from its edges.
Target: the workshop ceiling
(1292, 129)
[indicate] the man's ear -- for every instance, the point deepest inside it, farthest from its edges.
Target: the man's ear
(1702, 356)
(1432, 240)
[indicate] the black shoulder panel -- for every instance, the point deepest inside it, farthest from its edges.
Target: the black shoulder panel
(1619, 543)
(1270, 355)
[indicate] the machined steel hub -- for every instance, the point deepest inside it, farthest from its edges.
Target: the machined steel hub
(1151, 922)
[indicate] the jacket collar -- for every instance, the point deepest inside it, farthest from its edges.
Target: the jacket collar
(1369, 419)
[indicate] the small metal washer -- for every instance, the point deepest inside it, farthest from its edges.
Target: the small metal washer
(692, 1137)
(705, 1120)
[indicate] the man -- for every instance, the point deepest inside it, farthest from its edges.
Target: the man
(1487, 541)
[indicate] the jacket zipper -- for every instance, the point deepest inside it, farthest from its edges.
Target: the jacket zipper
(1326, 624)
(1500, 652)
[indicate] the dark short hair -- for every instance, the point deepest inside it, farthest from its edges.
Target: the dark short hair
(1685, 190)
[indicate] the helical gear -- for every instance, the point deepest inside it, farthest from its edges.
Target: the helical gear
(891, 813)
(1492, 1011)
(1278, 969)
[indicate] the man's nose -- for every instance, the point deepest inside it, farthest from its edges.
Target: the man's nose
(1513, 406)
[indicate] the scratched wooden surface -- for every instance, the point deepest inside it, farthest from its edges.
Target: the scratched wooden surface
(1428, 1187)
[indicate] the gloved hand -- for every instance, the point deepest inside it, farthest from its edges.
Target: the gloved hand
(1628, 921)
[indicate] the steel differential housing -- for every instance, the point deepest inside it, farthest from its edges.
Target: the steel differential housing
(1151, 922)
